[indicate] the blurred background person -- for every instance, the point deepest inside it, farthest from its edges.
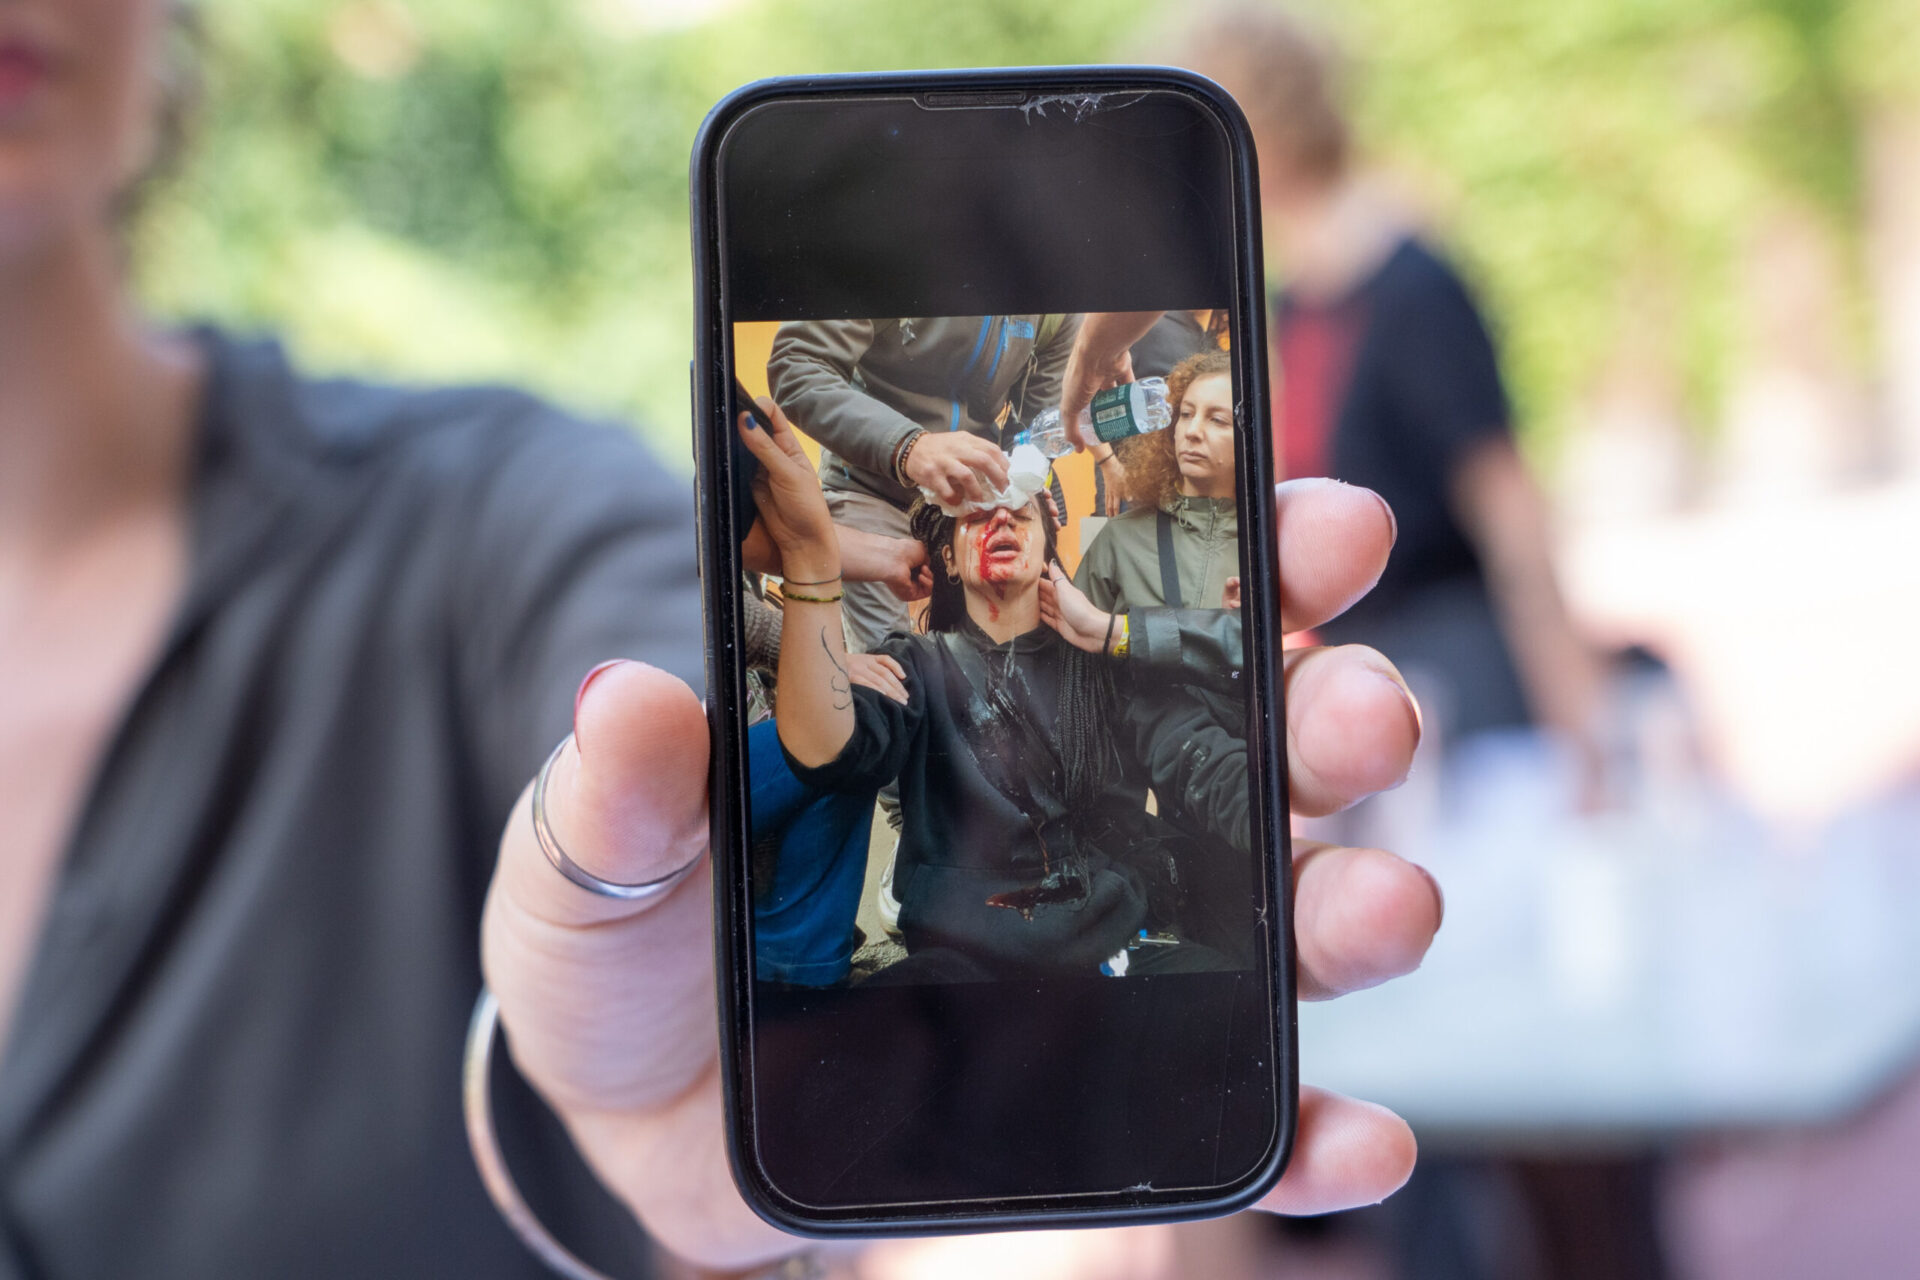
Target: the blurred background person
(1387, 377)
(277, 655)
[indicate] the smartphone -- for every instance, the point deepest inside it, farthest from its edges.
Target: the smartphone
(1019, 955)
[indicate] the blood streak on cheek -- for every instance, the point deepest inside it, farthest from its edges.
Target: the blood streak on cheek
(989, 571)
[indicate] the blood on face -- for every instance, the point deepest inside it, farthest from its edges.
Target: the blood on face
(999, 543)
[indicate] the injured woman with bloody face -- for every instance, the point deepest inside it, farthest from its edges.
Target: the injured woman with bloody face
(1024, 760)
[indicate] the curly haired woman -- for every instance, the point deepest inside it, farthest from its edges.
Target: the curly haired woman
(1180, 547)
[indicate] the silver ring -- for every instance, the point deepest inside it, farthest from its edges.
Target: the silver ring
(543, 832)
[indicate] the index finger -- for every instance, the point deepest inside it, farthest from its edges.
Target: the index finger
(1334, 540)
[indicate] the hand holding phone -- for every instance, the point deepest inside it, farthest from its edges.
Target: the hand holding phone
(627, 1056)
(609, 1009)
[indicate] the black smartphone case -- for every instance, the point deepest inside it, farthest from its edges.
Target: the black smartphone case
(720, 493)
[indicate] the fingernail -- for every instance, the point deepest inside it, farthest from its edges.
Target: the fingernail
(1393, 522)
(1439, 898)
(581, 693)
(1406, 695)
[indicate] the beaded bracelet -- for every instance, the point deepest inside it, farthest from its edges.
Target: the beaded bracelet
(794, 595)
(901, 452)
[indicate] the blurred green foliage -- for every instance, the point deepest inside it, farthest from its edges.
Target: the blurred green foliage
(440, 189)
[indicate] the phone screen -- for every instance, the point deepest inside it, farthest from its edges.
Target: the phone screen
(1015, 952)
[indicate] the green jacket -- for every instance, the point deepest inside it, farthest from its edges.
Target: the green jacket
(1121, 570)
(860, 386)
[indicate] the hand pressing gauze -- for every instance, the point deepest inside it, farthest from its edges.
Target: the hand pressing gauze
(1026, 475)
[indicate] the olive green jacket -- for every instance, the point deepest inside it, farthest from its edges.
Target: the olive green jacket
(1121, 570)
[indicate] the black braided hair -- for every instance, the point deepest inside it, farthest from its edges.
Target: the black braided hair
(1083, 736)
(1085, 727)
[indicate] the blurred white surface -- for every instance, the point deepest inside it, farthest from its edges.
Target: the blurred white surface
(1675, 965)
(1789, 620)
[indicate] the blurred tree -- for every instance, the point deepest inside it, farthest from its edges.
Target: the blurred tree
(451, 189)
(445, 189)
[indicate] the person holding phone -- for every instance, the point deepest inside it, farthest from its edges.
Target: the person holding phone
(279, 657)
(1391, 380)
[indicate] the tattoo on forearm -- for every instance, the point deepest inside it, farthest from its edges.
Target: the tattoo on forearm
(842, 682)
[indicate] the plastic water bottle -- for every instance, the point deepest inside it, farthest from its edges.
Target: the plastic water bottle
(1131, 409)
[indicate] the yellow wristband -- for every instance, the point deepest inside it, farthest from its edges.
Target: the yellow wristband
(1120, 645)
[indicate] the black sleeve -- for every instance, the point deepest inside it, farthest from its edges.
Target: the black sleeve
(883, 733)
(1202, 647)
(576, 546)
(1197, 769)
(1442, 366)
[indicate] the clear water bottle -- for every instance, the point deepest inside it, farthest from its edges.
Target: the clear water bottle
(1131, 409)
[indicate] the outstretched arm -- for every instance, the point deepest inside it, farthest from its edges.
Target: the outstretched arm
(900, 563)
(1187, 646)
(815, 708)
(811, 371)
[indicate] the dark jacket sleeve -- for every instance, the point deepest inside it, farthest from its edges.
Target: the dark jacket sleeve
(883, 733)
(811, 373)
(1196, 768)
(1187, 646)
(761, 643)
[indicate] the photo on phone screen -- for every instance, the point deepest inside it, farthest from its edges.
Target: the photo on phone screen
(998, 802)
(1047, 772)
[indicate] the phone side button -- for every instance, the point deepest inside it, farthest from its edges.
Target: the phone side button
(700, 500)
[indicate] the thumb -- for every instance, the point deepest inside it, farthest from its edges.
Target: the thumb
(609, 1003)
